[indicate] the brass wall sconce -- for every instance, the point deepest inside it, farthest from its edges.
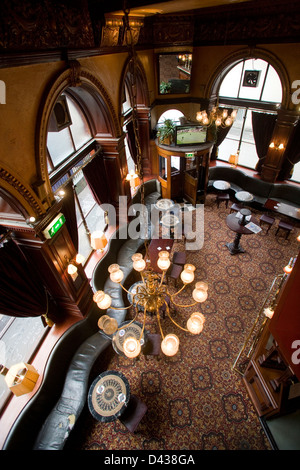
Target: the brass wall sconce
(276, 146)
(98, 241)
(20, 378)
(72, 265)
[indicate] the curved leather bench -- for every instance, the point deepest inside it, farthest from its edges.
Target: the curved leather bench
(47, 420)
(261, 190)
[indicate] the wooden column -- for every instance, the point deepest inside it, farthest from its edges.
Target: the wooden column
(144, 134)
(115, 162)
(284, 126)
(73, 296)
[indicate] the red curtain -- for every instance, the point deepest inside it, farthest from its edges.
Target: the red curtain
(21, 292)
(131, 141)
(97, 180)
(263, 126)
(292, 154)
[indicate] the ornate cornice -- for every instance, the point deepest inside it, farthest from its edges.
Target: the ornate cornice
(45, 25)
(26, 195)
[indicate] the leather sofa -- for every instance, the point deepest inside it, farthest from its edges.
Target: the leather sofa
(46, 421)
(260, 189)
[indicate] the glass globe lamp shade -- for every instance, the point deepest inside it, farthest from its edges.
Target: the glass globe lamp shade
(102, 300)
(195, 323)
(72, 269)
(187, 275)
(139, 265)
(116, 274)
(163, 264)
(131, 347)
(269, 312)
(136, 256)
(200, 292)
(107, 324)
(288, 269)
(170, 345)
(79, 258)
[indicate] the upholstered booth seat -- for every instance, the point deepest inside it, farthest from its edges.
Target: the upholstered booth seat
(261, 190)
(46, 421)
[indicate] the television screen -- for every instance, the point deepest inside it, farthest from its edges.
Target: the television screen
(190, 134)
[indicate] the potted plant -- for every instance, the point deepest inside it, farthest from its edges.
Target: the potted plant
(164, 87)
(166, 132)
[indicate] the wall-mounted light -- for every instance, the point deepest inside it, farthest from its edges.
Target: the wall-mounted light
(72, 265)
(20, 378)
(133, 179)
(98, 241)
(289, 267)
(276, 146)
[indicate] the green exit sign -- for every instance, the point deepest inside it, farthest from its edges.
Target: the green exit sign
(54, 226)
(190, 155)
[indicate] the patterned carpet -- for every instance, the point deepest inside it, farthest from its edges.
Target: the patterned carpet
(195, 400)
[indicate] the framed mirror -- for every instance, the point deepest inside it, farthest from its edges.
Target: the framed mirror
(174, 72)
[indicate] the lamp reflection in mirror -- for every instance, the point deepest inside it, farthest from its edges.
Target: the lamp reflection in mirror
(151, 294)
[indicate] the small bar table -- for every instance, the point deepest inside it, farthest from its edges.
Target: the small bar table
(237, 225)
(108, 396)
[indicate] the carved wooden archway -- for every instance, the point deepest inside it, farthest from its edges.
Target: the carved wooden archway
(73, 77)
(214, 83)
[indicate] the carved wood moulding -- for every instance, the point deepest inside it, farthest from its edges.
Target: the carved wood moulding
(45, 25)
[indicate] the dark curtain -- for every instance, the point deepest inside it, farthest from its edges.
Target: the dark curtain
(221, 133)
(21, 292)
(95, 175)
(263, 126)
(292, 154)
(130, 137)
(69, 211)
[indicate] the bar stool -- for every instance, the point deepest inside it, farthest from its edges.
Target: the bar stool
(266, 219)
(223, 197)
(152, 346)
(174, 273)
(133, 414)
(179, 257)
(235, 207)
(284, 226)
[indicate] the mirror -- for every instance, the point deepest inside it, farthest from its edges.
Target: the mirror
(174, 71)
(163, 167)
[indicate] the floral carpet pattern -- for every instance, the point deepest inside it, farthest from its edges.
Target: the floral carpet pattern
(195, 400)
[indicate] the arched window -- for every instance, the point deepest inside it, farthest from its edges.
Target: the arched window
(69, 147)
(252, 85)
(173, 114)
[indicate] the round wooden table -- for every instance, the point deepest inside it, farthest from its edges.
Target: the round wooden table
(237, 225)
(221, 185)
(121, 334)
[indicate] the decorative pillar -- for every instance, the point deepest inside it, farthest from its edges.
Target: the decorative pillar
(144, 135)
(115, 163)
(284, 126)
(51, 256)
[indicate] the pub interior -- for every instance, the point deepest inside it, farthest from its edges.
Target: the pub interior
(150, 225)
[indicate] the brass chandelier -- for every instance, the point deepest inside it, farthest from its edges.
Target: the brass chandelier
(219, 117)
(152, 293)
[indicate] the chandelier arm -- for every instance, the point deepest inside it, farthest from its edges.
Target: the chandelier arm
(178, 292)
(159, 324)
(144, 320)
(190, 305)
(162, 278)
(173, 321)
(124, 288)
(130, 323)
(120, 308)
